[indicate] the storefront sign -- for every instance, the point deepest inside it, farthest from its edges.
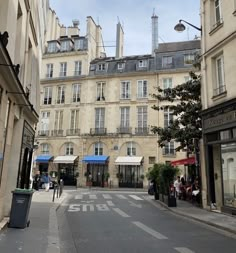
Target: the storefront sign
(220, 120)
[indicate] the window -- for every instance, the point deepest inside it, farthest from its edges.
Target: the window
(142, 63)
(169, 148)
(101, 91)
(125, 90)
(99, 117)
(167, 61)
(131, 149)
(75, 92)
(189, 59)
(167, 83)
(65, 45)
(142, 89)
(52, 47)
(152, 159)
(218, 18)
(47, 100)
(187, 78)
(69, 148)
(142, 116)
(220, 84)
(78, 68)
(101, 67)
(63, 68)
(168, 117)
(79, 44)
(120, 65)
(74, 119)
(58, 120)
(44, 148)
(98, 148)
(49, 70)
(124, 117)
(60, 95)
(45, 116)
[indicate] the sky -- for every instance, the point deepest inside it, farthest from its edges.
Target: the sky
(135, 17)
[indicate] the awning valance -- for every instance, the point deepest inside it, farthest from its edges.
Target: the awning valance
(65, 159)
(43, 158)
(186, 161)
(96, 159)
(129, 160)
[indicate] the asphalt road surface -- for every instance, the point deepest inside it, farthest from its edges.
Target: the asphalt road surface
(132, 222)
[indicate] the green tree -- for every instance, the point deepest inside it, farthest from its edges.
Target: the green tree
(184, 101)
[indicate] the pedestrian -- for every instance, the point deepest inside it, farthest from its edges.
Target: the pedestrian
(37, 180)
(177, 185)
(47, 181)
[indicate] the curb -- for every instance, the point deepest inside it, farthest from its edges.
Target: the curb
(3, 223)
(212, 224)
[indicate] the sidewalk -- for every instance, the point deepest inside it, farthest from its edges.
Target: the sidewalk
(212, 218)
(42, 233)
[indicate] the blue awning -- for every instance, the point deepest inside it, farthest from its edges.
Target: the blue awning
(97, 159)
(43, 158)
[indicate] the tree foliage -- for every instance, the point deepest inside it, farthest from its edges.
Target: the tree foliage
(184, 101)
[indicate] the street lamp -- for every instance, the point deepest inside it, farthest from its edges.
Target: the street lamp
(181, 27)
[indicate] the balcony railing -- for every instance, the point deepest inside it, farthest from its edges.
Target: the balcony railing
(73, 132)
(43, 133)
(98, 131)
(141, 130)
(124, 130)
(58, 132)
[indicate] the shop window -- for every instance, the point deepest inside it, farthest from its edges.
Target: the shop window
(225, 135)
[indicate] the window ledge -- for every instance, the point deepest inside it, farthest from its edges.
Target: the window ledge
(219, 96)
(216, 27)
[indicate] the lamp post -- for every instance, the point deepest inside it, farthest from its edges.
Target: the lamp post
(180, 27)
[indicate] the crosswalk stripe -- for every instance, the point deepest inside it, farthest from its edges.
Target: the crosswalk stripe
(93, 196)
(79, 196)
(135, 197)
(106, 196)
(183, 250)
(121, 196)
(110, 203)
(149, 230)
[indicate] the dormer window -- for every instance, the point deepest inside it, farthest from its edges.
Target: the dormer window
(142, 63)
(120, 65)
(101, 67)
(52, 47)
(189, 59)
(79, 44)
(65, 45)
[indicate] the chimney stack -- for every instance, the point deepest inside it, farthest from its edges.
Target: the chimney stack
(119, 40)
(154, 33)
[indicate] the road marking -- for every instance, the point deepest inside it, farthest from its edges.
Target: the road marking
(79, 196)
(87, 201)
(92, 196)
(121, 196)
(106, 196)
(121, 213)
(149, 230)
(183, 250)
(110, 203)
(87, 207)
(135, 205)
(135, 197)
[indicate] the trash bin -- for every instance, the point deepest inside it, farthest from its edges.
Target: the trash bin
(21, 202)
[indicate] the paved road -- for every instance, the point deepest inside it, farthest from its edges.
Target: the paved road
(120, 222)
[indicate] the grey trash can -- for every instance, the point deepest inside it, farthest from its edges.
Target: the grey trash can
(21, 202)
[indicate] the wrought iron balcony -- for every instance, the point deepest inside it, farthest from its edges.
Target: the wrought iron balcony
(141, 130)
(43, 133)
(58, 132)
(98, 131)
(124, 130)
(73, 132)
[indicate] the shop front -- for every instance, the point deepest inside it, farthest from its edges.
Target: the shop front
(43, 163)
(67, 168)
(219, 132)
(130, 171)
(96, 170)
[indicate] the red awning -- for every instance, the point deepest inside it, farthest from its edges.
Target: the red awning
(186, 161)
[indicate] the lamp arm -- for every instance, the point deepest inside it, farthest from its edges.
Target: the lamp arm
(199, 29)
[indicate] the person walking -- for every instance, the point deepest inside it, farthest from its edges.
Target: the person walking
(37, 180)
(47, 181)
